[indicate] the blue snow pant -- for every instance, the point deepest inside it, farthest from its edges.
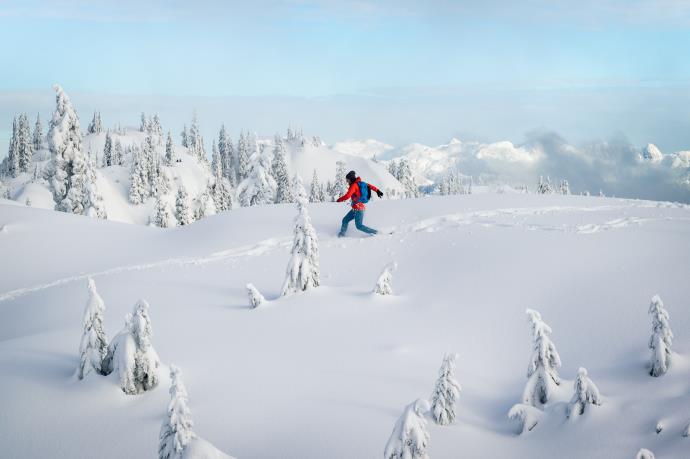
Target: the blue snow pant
(357, 216)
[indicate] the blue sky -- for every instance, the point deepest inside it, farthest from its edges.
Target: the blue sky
(395, 70)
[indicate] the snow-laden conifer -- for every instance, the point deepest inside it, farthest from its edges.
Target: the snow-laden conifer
(242, 158)
(661, 339)
(205, 205)
(93, 347)
(256, 299)
(445, 393)
(176, 431)
(527, 415)
(170, 156)
(406, 178)
(37, 136)
(195, 142)
(316, 192)
(67, 174)
(182, 212)
(25, 146)
(280, 173)
(95, 126)
(303, 268)
(118, 153)
(384, 282)
(131, 355)
(542, 371)
(644, 453)
(258, 187)
(220, 190)
(164, 217)
(586, 393)
(339, 185)
(108, 149)
(139, 188)
(410, 437)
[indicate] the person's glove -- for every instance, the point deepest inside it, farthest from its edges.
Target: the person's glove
(379, 193)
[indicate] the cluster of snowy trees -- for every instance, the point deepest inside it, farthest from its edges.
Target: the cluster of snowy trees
(410, 436)
(545, 187)
(23, 143)
(401, 170)
(543, 377)
(452, 183)
(130, 354)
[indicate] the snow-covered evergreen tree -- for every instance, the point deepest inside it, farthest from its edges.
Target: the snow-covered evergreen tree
(205, 205)
(303, 268)
(108, 149)
(661, 339)
(410, 437)
(528, 416)
(446, 393)
(644, 453)
(259, 187)
(256, 299)
(242, 158)
(143, 123)
(393, 168)
(586, 393)
(195, 141)
(280, 173)
(95, 126)
(182, 211)
(11, 162)
(156, 129)
(131, 354)
(170, 157)
(316, 193)
(118, 154)
(94, 206)
(25, 146)
(94, 343)
(176, 432)
(542, 371)
(164, 217)
(384, 282)
(227, 155)
(68, 173)
(185, 136)
(138, 178)
(37, 136)
(221, 190)
(339, 185)
(565, 187)
(406, 178)
(544, 187)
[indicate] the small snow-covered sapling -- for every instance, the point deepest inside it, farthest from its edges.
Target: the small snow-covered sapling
(93, 347)
(661, 339)
(586, 393)
(410, 437)
(527, 415)
(176, 431)
(445, 393)
(644, 454)
(256, 299)
(542, 371)
(383, 284)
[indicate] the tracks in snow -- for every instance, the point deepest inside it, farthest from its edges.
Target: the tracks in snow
(485, 218)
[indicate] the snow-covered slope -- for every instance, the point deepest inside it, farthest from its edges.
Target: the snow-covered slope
(326, 373)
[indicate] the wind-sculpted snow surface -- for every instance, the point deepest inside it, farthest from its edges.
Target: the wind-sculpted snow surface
(303, 377)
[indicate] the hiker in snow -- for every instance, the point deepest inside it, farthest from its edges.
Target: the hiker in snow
(359, 192)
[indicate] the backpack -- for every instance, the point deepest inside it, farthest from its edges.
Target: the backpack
(364, 192)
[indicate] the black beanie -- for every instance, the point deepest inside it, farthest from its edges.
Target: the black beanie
(351, 176)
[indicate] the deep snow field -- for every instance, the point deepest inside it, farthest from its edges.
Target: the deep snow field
(326, 373)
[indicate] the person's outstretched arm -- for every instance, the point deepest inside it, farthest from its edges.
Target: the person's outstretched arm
(349, 193)
(378, 192)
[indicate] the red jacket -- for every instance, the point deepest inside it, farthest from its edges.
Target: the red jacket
(353, 192)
